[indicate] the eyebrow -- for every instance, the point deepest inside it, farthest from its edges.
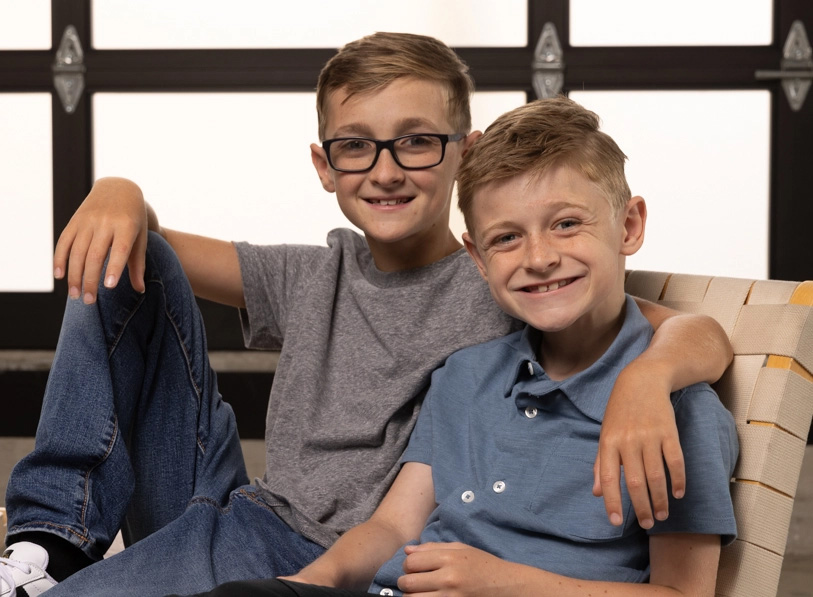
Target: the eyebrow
(358, 129)
(554, 207)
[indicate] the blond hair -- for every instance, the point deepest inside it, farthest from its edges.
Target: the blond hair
(375, 61)
(536, 137)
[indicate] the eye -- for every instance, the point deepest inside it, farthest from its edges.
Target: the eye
(504, 239)
(567, 224)
(350, 145)
(418, 142)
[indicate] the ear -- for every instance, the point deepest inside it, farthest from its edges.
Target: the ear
(470, 139)
(634, 225)
(471, 247)
(323, 169)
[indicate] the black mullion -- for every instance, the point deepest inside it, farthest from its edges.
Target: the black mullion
(25, 70)
(791, 255)
(71, 132)
(667, 67)
(194, 70)
(266, 70)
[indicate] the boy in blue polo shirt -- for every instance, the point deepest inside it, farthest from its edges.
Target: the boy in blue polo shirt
(492, 495)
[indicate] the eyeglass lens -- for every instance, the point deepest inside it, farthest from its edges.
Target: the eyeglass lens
(412, 151)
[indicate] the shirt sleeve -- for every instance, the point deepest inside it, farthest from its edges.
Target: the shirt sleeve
(271, 275)
(708, 438)
(421, 440)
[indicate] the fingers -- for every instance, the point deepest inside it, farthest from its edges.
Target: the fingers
(76, 262)
(610, 484)
(656, 482)
(86, 254)
(136, 264)
(135, 256)
(646, 480)
(86, 264)
(597, 475)
(635, 474)
(422, 568)
(673, 455)
(80, 256)
(63, 247)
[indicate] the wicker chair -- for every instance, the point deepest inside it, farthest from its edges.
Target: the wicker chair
(769, 390)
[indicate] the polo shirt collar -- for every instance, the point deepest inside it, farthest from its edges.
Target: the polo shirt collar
(588, 390)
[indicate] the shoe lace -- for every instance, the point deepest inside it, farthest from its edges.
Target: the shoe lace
(6, 573)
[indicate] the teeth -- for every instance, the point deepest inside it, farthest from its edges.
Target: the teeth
(555, 286)
(388, 201)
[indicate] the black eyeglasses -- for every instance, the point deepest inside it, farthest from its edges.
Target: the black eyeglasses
(410, 152)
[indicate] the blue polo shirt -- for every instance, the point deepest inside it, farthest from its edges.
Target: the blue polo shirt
(512, 454)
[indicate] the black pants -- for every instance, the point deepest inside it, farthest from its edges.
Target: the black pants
(272, 587)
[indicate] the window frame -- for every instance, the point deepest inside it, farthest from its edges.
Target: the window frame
(32, 320)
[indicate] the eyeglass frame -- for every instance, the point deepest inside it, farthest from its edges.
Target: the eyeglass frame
(390, 145)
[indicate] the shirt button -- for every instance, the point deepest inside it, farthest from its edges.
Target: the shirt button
(386, 592)
(499, 486)
(530, 411)
(530, 368)
(467, 497)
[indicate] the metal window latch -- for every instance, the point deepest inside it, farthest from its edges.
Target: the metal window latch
(796, 65)
(548, 67)
(69, 69)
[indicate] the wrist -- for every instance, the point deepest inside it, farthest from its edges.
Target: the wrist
(660, 371)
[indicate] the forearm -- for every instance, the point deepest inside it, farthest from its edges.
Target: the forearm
(546, 584)
(210, 264)
(681, 565)
(354, 559)
(685, 349)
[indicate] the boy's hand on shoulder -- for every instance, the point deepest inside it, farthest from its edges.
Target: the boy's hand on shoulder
(113, 218)
(456, 570)
(639, 432)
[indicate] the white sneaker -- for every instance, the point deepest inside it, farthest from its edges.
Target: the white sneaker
(22, 571)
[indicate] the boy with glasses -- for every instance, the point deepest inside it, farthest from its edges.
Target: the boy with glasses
(134, 434)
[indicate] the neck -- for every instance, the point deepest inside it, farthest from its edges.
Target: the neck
(412, 253)
(565, 353)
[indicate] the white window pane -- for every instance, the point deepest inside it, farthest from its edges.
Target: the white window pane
(701, 162)
(684, 23)
(234, 166)
(26, 193)
(303, 24)
(25, 24)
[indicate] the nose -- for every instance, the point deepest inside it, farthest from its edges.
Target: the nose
(386, 171)
(540, 254)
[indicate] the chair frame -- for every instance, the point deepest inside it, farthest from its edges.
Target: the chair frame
(769, 390)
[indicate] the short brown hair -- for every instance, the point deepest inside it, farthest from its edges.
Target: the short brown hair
(375, 61)
(536, 137)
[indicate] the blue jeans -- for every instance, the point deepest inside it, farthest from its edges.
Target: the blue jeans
(134, 435)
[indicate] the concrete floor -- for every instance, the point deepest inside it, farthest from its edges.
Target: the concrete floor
(797, 571)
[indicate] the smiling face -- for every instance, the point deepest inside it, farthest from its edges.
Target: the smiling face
(552, 250)
(404, 214)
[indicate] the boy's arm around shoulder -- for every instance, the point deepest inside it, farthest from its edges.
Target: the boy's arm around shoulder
(354, 559)
(115, 220)
(639, 429)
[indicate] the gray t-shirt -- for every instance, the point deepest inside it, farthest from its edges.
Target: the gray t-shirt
(358, 347)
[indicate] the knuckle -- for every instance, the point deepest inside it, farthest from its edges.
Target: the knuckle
(96, 256)
(608, 478)
(656, 475)
(635, 482)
